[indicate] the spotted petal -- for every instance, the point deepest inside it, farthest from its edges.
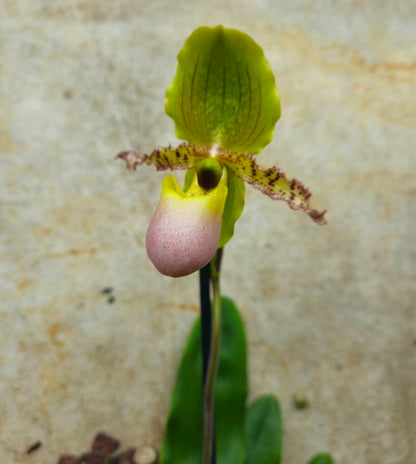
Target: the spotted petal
(184, 156)
(271, 181)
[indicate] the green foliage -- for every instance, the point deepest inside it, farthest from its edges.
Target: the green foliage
(182, 442)
(244, 436)
(231, 387)
(224, 92)
(264, 431)
(322, 458)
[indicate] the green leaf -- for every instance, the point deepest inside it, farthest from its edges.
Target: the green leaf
(233, 208)
(264, 431)
(231, 388)
(224, 92)
(182, 443)
(322, 458)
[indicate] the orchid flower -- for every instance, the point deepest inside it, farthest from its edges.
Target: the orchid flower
(225, 104)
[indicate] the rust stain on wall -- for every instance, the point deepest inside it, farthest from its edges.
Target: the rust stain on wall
(180, 307)
(71, 252)
(25, 284)
(379, 88)
(54, 332)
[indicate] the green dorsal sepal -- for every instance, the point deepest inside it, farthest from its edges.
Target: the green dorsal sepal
(224, 92)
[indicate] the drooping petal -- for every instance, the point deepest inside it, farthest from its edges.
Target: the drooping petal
(272, 182)
(184, 156)
(184, 232)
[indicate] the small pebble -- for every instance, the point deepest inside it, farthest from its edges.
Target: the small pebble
(105, 444)
(126, 457)
(107, 290)
(145, 455)
(93, 457)
(300, 403)
(34, 447)
(68, 459)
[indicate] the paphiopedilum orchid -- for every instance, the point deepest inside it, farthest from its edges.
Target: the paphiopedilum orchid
(225, 104)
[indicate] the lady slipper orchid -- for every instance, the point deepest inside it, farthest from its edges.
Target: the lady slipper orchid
(225, 103)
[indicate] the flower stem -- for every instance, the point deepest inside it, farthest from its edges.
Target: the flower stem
(208, 456)
(204, 297)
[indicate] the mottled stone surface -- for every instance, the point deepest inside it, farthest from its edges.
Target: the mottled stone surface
(329, 310)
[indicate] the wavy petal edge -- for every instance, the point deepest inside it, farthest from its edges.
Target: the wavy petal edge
(272, 182)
